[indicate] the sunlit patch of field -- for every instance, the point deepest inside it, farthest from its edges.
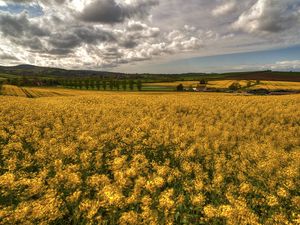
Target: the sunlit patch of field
(223, 84)
(33, 92)
(149, 158)
(187, 84)
(37, 92)
(278, 85)
(12, 90)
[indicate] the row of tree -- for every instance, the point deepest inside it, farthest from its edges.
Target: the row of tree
(92, 84)
(1, 84)
(33, 82)
(103, 84)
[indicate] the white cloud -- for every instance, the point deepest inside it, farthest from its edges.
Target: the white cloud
(147, 31)
(286, 65)
(3, 3)
(269, 16)
(225, 8)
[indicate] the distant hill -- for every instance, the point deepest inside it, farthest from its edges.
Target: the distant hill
(30, 70)
(266, 75)
(49, 72)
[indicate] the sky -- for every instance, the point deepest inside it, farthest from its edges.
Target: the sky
(152, 36)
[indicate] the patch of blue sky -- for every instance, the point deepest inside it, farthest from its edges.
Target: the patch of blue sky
(33, 10)
(257, 58)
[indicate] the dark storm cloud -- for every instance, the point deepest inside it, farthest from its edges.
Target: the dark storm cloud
(5, 56)
(18, 26)
(93, 35)
(129, 44)
(61, 40)
(60, 51)
(75, 37)
(34, 44)
(21, 31)
(104, 11)
(110, 12)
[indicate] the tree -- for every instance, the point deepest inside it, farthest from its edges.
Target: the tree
(235, 86)
(131, 85)
(203, 81)
(92, 84)
(98, 84)
(80, 84)
(104, 84)
(180, 87)
(70, 83)
(61, 82)
(86, 84)
(249, 83)
(64, 83)
(111, 85)
(117, 83)
(13, 81)
(18, 82)
(139, 85)
(124, 85)
(25, 81)
(73, 84)
(1, 85)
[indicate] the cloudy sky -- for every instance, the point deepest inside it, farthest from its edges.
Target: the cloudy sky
(161, 36)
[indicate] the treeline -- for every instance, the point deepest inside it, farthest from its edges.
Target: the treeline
(32, 82)
(80, 83)
(101, 84)
(1, 84)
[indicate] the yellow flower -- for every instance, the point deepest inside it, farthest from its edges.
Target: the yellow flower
(158, 182)
(112, 195)
(166, 199)
(198, 200)
(210, 211)
(245, 188)
(119, 163)
(146, 200)
(7, 180)
(272, 200)
(198, 184)
(226, 211)
(130, 217)
(74, 197)
(281, 192)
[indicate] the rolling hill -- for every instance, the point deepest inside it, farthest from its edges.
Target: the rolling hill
(49, 72)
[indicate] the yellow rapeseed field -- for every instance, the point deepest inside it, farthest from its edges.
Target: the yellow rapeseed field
(279, 85)
(270, 85)
(35, 92)
(131, 158)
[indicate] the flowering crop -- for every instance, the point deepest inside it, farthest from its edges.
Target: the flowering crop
(34, 92)
(129, 158)
(221, 84)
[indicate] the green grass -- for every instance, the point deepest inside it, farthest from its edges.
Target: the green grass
(157, 88)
